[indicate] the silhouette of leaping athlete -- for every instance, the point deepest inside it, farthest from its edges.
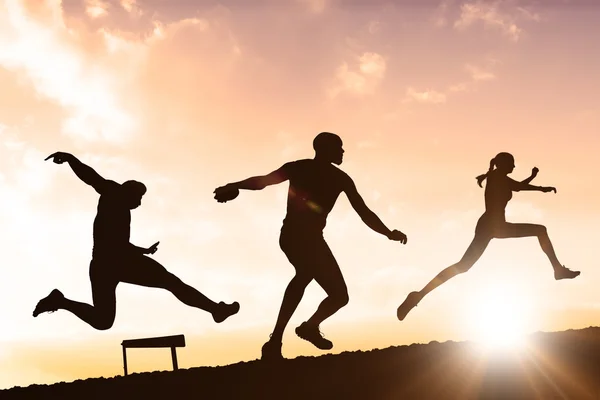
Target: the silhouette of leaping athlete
(115, 259)
(315, 185)
(492, 224)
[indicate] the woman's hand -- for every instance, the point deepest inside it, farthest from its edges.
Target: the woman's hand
(547, 189)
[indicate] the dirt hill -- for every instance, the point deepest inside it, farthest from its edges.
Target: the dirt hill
(560, 365)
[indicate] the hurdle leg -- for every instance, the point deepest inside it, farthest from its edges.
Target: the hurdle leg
(125, 359)
(174, 357)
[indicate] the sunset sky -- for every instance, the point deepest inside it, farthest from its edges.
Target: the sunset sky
(188, 95)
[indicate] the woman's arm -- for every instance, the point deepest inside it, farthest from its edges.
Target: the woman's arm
(521, 186)
(534, 173)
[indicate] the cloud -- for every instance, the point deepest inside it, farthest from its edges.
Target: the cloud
(47, 56)
(21, 162)
(476, 73)
(492, 16)
(479, 74)
(315, 6)
(529, 15)
(131, 7)
(372, 64)
(362, 81)
(426, 96)
(459, 87)
(96, 8)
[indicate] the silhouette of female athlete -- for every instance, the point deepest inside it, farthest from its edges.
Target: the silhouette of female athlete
(115, 259)
(315, 185)
(492, 224)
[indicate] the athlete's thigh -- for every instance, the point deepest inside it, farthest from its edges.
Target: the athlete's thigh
(299, 251)
(510, 230)
(475, 249)
(104, 284)
(484, 232)
(144, 271)
(327, 272)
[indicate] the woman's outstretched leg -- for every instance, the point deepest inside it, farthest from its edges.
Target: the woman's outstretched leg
(473, 253)
(510, 230)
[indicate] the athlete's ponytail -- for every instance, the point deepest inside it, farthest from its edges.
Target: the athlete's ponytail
(481, 178)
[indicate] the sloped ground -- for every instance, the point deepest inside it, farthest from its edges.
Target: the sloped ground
(562, 365)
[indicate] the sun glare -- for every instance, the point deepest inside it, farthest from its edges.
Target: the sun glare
(499, 318)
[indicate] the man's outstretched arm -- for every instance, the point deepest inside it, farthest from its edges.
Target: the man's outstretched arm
(260, 182)
(224, 193)
(83, 172)
(368, 216)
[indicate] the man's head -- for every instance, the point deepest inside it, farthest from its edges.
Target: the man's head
(328, 146)
(133, 192)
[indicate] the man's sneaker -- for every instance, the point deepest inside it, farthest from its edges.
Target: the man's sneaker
(565, 273)
(312, 334)
(50, 303)
(225, 311)
(271, 351)
(411, 301)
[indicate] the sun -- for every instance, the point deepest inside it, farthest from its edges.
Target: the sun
(499, 318)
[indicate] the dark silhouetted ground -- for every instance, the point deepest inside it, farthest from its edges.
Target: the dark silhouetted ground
(561, 365)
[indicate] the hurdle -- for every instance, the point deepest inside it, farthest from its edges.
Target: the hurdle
(155, 342)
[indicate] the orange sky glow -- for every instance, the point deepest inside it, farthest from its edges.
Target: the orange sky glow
(186, 96)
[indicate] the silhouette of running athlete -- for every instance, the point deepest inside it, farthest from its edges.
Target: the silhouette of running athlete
(115, 259)
(315, 185)
(492, 224)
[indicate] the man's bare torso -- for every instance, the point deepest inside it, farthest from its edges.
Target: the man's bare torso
(112, 222)
(314, 189)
